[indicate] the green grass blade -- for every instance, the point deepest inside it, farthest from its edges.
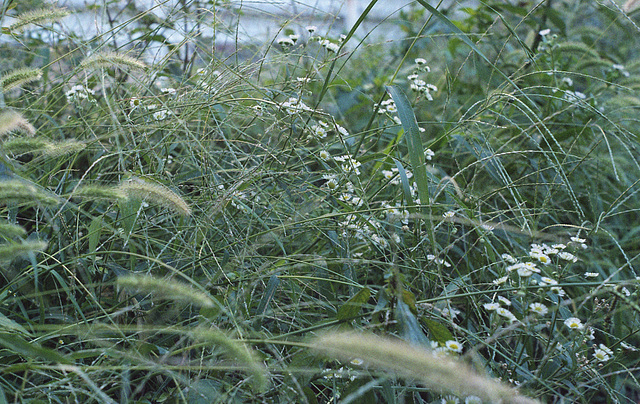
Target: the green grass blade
(414, 141)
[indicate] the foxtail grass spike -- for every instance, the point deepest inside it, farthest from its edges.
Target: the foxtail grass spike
(19, 77)
(166, 289)
(9, 251)
(37, 17)
(238, 351)
(12, 121)
(435, 372)
(112, 59)
(156, 193)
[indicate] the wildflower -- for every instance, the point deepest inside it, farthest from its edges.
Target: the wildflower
(160, 115)
(332, 184)
(450, 400)
(603, 353)
(538, 308)
(454, 346)
(311, 28)
(420, 61)
(357, 361)
(591, 274)
(567, 256)
(567, 81)
(543, 258)
(318, 131)
(294, 37)
(504, 300)
(547, 281)
(545, 32)
(169, 91)
(448, 214)
(508, 258)
(428, 154)
(324, 155)
(285, 42)
(557, 290)
(590, 334)
(559, 246)
(500, 281)
(574, 323)
(491, 306)
(628, 347)
(330, 46)
(343, 131)
(501, 311)
(525, 272)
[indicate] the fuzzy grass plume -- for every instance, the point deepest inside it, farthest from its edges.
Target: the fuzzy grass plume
(438, 373)
(21, 192)
(19, 77)
(166, 289)
(156, 193)
(238, 351)
(99, 193)
(12, 121)
(110, 60)
(42, 146)
(9, 251)
(9, 230)
(37, 17)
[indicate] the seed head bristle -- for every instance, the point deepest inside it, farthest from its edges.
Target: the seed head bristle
(19, 77)
(156, 193)
(112, 59)
(37, 17)
(12, 121)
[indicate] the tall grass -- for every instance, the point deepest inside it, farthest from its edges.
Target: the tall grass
(184, 224)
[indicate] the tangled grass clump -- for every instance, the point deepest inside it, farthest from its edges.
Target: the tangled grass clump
(448, 216)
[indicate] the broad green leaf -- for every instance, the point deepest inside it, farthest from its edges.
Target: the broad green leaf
(439, 332)
(352, 307)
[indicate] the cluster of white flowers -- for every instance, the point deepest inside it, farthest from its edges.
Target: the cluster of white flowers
(349, 164)
(295, 106)
(363, 229)
(395, 212)
(387, 106)
(78, 93)
(417, 84)
(330, 46)
(393, 175)
(289, 40)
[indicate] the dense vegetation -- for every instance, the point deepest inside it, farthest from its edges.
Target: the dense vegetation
(451, 216)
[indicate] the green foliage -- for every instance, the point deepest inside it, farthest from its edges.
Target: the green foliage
(182, 221)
